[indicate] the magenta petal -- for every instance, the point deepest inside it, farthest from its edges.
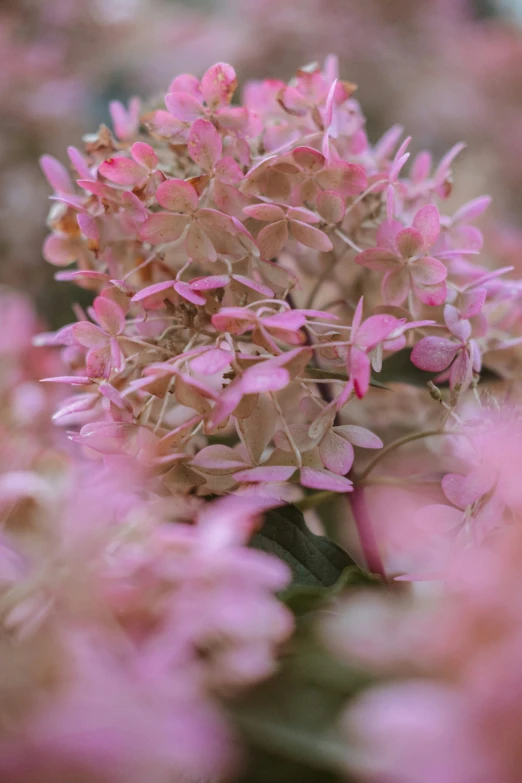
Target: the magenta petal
(360, 371)
(211, 361)
(461, 373)
(432, 295)
(186, 291)
(374, 330)
(434, 354)
(184, 106)
(269, 473)
(314, 478)
(152, 290)
(218, 85)
(209, 283)
(122, 171)
(264, 377)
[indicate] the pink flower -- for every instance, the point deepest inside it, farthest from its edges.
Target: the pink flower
(401, 254)
(296, 221)
(460, 356)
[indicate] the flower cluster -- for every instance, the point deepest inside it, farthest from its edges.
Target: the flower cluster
(198, 227)
(122, 619)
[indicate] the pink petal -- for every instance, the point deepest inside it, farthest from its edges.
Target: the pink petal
(198, 245)
(310, 237)
(153, 291)
(359, 436)
(122, 171)
(395, 286)
(264, 377)
(428, 271)
(259, 288)
(89, 335)
(461, 373)
(144, 155)
(235, 320)
(184, 106)
(204, 144)
(177, 196)
(79, 163)
(88, 226)
(409, 242)
(272, 238)
(432, 295)
(133, 207)
(459, 327)
(374, 330)
(360, 372)
(378, 259)
(439, 518)
(185, 291)
(60, 250)
(125, 121)
(56, 174)
(462, 491)
(267, 213)
(473, 302)
(211, 361)
(290, 319)
(209, 283)
(73, 380)
(218, 85)
(427, 223)
(308, 159)
(336, 453)
(268, 474)
(98, 362)
(314, 478)
(330, 206)
(387, 234)
(471, 210)
(218, 459)
(162, 227)
(109, 315)
(302, 215)
(434, 354)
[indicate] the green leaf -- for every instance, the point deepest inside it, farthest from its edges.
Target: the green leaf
(398, 368)
(302, 599)
(316, 561)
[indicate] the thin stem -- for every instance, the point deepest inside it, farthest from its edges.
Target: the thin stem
(395, 445)
(291, 441)
(366, 534)
(347, 240)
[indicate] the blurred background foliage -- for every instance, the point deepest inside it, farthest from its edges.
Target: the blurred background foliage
(445, 69)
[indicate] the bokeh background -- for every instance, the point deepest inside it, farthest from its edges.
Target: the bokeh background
(447, 70)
